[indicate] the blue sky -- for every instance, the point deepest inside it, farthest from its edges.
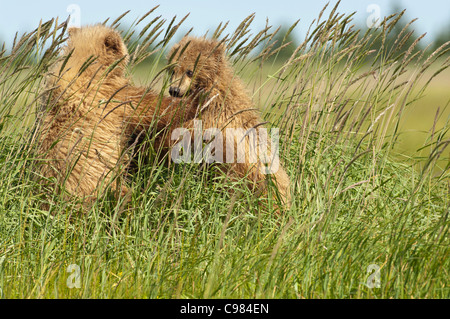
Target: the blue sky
(206, 14)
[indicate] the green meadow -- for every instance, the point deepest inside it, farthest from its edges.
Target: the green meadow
(363, 135)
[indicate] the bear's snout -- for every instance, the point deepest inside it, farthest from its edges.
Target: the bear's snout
(174, 91)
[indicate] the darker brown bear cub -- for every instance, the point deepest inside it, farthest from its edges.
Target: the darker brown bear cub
(202, 71)
(91, 111)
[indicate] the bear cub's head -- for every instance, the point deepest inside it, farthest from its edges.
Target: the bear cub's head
(96, 45)
(197, 64)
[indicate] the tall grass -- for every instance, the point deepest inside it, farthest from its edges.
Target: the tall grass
(339, 107)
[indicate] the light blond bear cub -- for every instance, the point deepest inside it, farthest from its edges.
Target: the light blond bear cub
(90, 113)
(202, 71)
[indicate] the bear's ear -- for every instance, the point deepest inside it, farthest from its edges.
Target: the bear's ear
(219, 51)
(174, 50)
(72, 31)
(114, 44)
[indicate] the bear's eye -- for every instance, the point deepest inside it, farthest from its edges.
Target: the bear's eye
(189, 73)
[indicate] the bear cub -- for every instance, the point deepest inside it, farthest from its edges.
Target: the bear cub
(90, 111)
(200, 70)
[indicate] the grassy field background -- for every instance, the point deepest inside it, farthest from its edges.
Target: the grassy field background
(421, 116)
(369, 217)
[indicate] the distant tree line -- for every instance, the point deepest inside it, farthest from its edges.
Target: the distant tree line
(402, 30)
(442, 37)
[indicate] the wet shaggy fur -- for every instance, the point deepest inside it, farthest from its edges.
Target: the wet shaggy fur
(201, 70)
(91, 111)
